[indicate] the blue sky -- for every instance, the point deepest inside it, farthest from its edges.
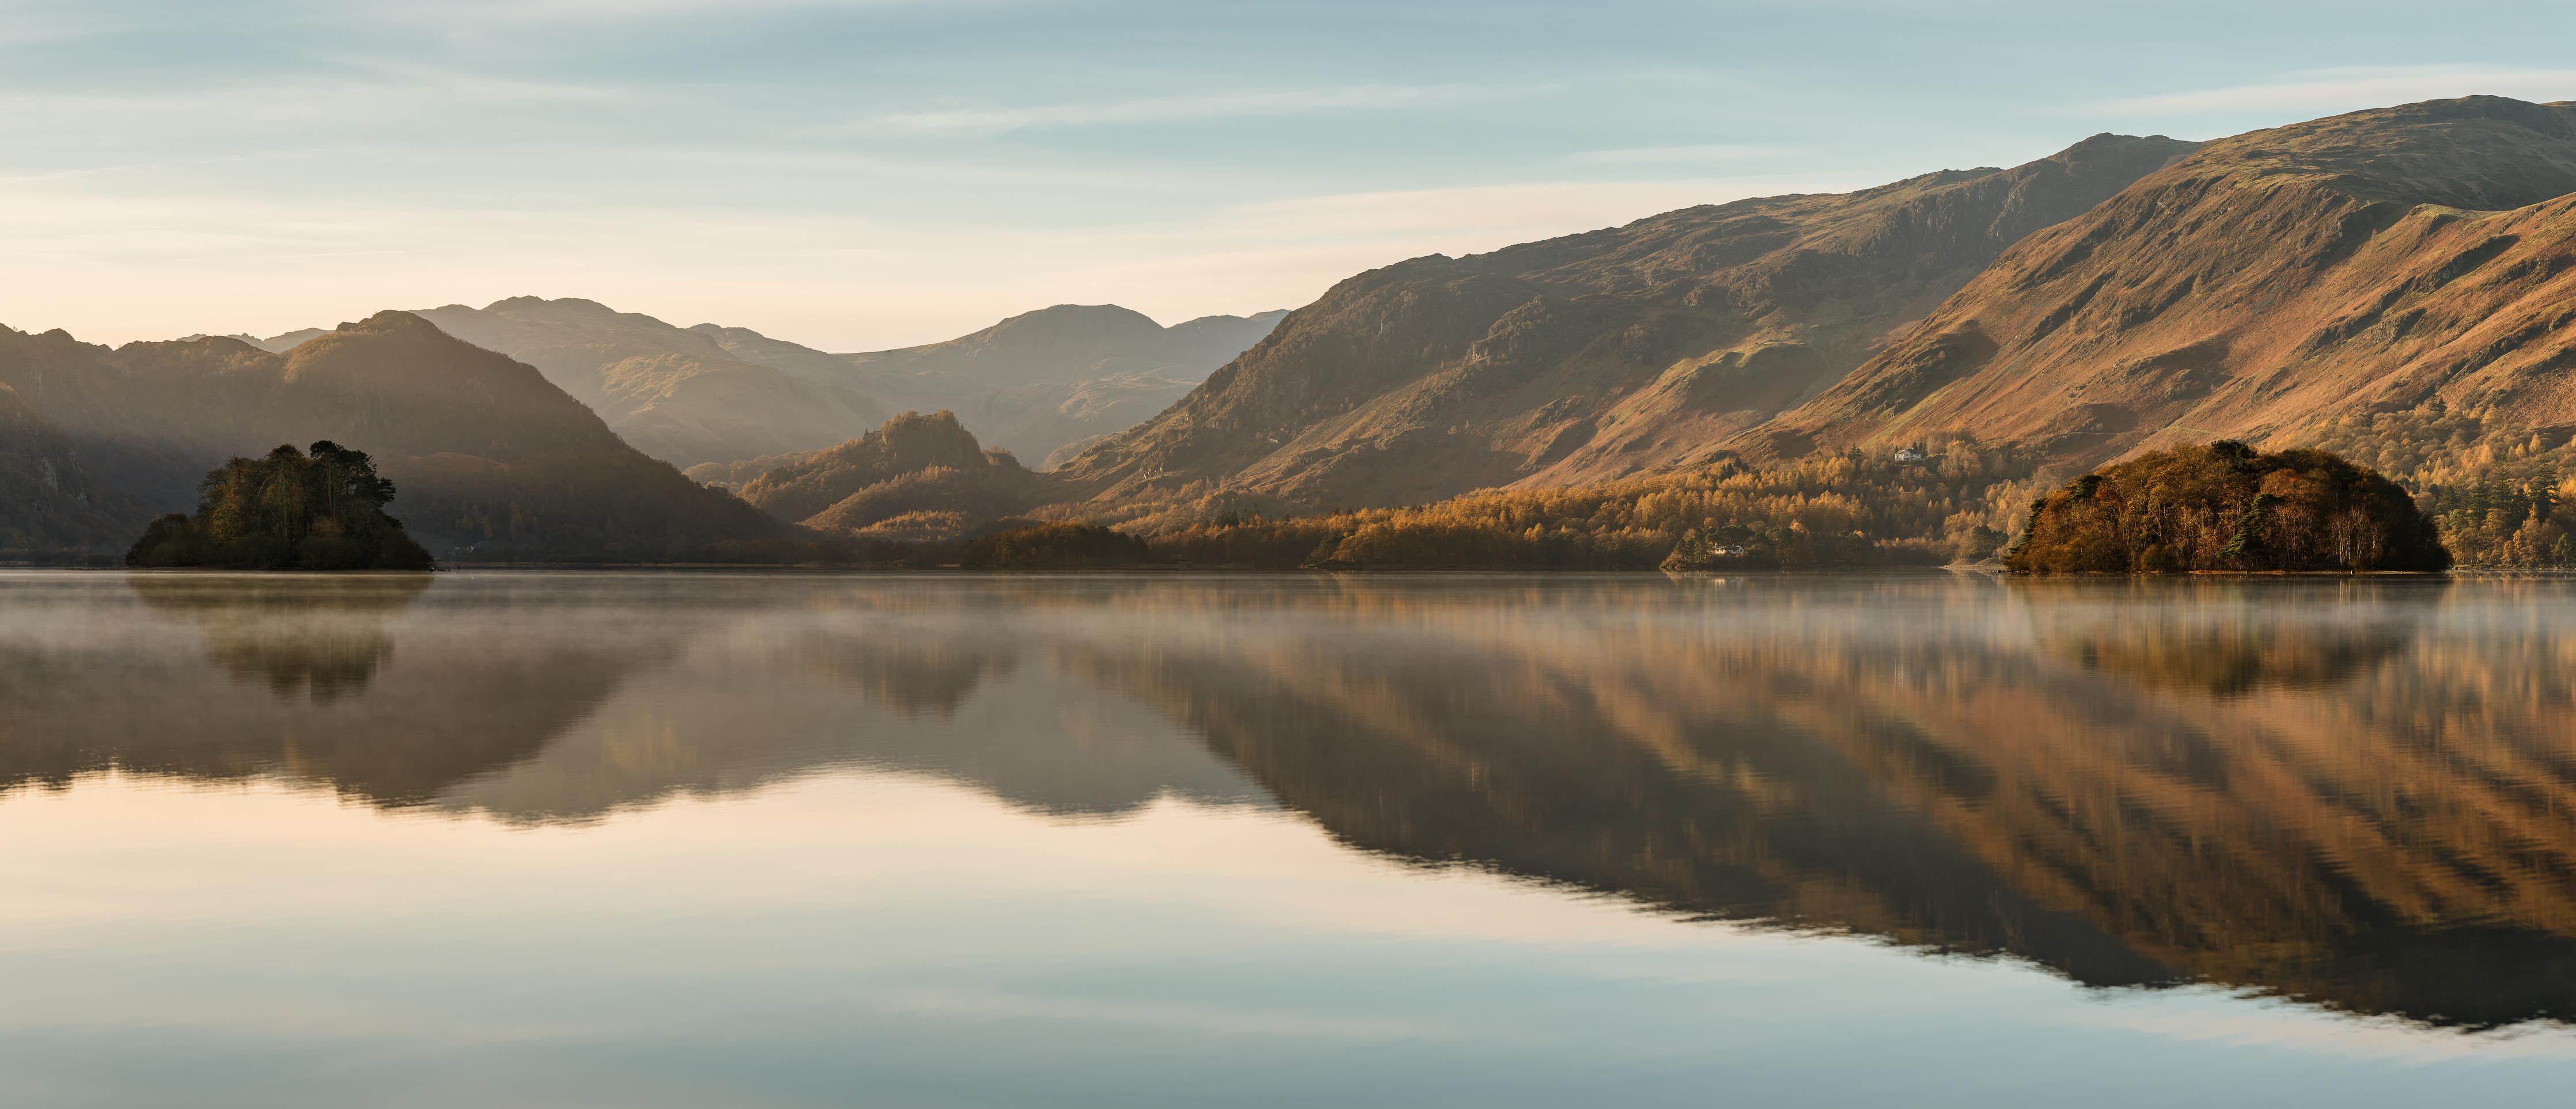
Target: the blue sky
(856, 174)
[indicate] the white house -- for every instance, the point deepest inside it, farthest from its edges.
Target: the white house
(1911, 454)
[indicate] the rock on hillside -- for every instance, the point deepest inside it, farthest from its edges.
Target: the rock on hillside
(2374, 261)
(676, 394)
(1597, 355)
(491, 460)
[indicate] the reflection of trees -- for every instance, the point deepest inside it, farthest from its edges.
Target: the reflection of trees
(495, 694)
(2229, 636)
(113, 688)
(322, 635)
(1927, 762)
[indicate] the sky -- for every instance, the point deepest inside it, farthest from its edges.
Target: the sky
(864, 174)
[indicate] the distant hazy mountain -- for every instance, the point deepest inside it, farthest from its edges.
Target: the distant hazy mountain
(916, 478)
(1033, 384)
(1030, 384)
(491, 460)
(2370, 262)
(1592, 356)
(672, 392)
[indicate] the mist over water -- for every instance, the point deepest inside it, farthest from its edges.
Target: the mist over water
(686, 839)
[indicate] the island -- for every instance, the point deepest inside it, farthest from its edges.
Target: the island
(287, 511)
(2225, 506)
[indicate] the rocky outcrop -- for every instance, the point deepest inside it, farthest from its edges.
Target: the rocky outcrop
(917, 478)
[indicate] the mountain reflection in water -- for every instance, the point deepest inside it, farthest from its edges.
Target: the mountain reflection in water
(2356, 793)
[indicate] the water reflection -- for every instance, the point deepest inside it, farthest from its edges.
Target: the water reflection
(323, 637)
(2360, 794)
(308, 680)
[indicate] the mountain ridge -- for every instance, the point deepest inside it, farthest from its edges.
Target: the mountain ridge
(2376, 261)
(1590, 356)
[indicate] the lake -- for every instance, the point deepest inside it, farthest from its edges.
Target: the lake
(693, 839)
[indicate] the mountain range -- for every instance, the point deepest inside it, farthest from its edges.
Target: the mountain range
(1033, 384)
(2124, 293)
(2416, 262)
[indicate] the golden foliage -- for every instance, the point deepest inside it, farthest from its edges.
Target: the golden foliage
(1840, 510)
(2226, 507)
(2494, 489)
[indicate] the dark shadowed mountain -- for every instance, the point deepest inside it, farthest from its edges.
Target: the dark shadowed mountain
(2416, 256)
(1035, 384)
(672, 392)
(50, 502)
(489, 458)
(1597, 355)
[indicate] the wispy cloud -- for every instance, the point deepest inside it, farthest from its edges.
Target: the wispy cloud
(2347, 88)
(370, 90)
(1675, 155)
(998, 119)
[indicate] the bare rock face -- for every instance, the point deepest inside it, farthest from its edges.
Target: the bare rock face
(1593, 356)
(2375, 261)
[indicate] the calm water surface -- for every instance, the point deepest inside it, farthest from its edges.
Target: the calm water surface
(691, 840)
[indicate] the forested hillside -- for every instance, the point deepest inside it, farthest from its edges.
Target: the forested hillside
(1842, 510)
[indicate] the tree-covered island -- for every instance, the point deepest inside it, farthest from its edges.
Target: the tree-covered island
(2226, 506)
(286, 511)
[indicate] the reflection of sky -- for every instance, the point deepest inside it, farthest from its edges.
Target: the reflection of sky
(886, 939)
(858, 174)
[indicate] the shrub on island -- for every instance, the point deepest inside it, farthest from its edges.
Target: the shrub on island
(2226, 506)
(287, 511)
